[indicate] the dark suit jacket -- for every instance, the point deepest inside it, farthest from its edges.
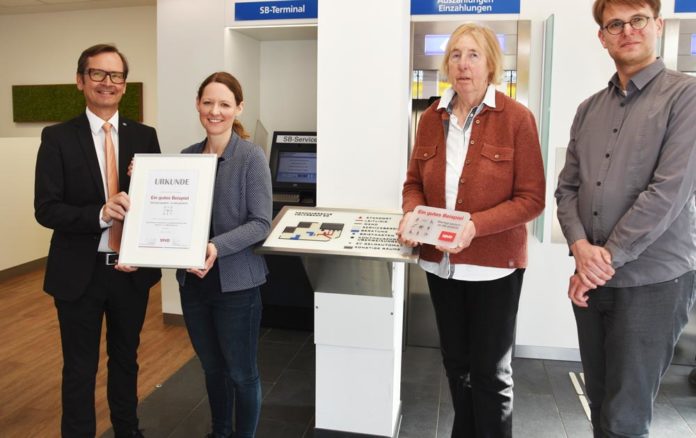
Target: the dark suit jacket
(69, 193)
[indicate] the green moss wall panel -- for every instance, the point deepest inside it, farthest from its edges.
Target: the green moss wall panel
(57, 103)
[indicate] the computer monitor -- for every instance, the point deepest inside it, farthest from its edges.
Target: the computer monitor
(293, 161)
(297, 167)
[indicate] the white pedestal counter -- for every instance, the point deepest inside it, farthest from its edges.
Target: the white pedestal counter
(358, 326)
(358, 317)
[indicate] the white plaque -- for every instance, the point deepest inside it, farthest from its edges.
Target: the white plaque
(436, 226)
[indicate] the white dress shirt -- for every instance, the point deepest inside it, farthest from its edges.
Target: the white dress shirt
(96, 126)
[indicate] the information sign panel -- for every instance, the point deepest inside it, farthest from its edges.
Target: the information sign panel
(275, 10)
(684, 5)
(476, 7)
(334, 231)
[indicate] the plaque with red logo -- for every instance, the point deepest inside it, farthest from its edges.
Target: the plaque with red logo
(436, 226)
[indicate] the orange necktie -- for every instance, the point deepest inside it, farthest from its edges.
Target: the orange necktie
(112, 186)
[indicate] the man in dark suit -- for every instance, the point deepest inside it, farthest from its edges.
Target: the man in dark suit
(81, 178)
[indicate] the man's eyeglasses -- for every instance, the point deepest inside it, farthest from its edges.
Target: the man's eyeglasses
(617, 26)
(117, 77)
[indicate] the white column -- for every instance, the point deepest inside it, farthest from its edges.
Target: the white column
(190, 46)
(362, 102)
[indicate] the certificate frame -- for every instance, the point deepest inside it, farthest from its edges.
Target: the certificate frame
(138, 226)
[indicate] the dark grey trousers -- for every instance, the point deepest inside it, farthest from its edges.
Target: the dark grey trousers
(476, 324)
(627, 338)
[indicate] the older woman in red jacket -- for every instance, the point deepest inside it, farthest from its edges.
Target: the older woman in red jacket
(477, 151)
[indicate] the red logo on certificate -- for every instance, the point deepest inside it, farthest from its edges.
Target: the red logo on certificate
(447, 236)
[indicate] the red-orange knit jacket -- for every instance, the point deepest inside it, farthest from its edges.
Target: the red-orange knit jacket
(502, 183)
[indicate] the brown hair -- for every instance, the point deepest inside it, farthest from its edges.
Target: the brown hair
(487, 40)
(600, 5)
(97, 50)
(235, 87)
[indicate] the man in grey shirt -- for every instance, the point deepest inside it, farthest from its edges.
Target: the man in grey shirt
(626, 205)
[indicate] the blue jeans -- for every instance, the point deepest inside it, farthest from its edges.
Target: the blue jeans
(224, 331)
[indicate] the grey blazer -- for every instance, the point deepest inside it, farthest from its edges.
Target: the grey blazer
(242, 212)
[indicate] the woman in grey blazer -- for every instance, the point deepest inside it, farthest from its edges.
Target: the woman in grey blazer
(221, 303)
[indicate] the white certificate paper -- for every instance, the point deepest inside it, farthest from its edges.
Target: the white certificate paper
(168, 222)
(168, 215)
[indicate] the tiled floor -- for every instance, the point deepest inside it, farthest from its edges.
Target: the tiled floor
(546, 404)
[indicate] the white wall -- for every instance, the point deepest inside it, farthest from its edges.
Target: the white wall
(288, 86)
(190, 46)
(363, 105)
(279, 80)
(22, 239)
(243, 59)
(43, 49)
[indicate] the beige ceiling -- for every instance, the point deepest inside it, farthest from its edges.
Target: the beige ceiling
(38, 6)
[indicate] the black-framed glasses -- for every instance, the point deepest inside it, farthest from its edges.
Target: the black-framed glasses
(617, 26)
(97, 75)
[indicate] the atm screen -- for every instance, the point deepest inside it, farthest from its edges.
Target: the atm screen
(437, 44)
(297, 167)
(693, 43)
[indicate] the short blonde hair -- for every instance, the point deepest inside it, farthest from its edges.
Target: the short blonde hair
(488, 42)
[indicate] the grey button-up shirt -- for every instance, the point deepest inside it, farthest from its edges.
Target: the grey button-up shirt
(630, 175)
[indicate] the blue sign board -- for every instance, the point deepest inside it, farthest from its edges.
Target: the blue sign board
(444, 7)
(684, 5)
(275, 10)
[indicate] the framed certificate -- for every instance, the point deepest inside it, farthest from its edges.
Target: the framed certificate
(168, 223)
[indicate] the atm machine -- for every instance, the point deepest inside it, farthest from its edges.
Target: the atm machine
(287, 295)
(293, 164)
